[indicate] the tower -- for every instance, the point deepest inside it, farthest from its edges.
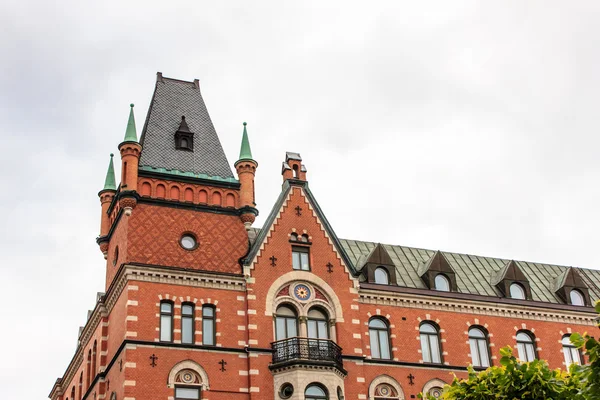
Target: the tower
(246, 169)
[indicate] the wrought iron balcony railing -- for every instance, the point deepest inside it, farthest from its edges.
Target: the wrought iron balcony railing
(306, 350)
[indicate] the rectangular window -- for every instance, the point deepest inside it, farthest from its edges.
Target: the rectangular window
(208, 326)
(166, 322)
(187, 324)
(300, 258)
(187, 393)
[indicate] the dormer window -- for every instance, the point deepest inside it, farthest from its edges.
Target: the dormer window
(442, 283)
(381, 276)
(517, 292)
(184, 138)
(577, 298)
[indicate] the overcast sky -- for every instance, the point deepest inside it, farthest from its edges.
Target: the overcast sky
(447, 125)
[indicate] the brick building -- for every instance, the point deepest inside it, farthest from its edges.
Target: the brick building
(201, 305)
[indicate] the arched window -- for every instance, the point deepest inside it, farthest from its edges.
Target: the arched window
(517, 291)
(577, 298)
(315, 392)
(525, 346)
(166, 321)
(73, 393)
(294, 236)
(187, 385)
(442, 283)
(385, 392)
(379, 335)
(89, 369)
(572, 353)
(317, 324)
(80, 385)
(187, 323)
(480, 355)
(94, 356)
(304, 238)
(286, 323)
(295, 171)
(381, 276)
(209, 331)
(430, 343)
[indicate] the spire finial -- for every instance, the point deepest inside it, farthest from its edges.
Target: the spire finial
(130, 133)
(245, 152)
(109, 182)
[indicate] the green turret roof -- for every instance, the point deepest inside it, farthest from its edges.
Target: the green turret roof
(109, 182)
(245, 152)
(130, 133)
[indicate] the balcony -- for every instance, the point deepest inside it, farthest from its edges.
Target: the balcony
(305, 351)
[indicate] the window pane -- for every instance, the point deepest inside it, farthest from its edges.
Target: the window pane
(377, 323)
(295, 260)
(165, 307)
(428, 328)
(523, 337)
(279, 328)
(441, 283)
(521, 351)
(208, 332)
(517, 292)
(312, 329)
(186, 330)
(474, 352)
(575, 356)
(435, 349)
(208, 312)
(530, 352)
(567, 353)
(314, 390)
(374, 344)
(304, 260)
(187, 393)
(483, 353)
(381, 276)
(425, 348)
(384, 344)
(165, 328)
(186, 309)
(322, 330)
(291, 327)
(577, 298)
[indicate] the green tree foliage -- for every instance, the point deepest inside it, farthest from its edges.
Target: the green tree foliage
(513, 380)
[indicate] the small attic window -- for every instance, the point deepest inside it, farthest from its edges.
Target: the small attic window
(184, 138)
(381, 276)
(517, 291)
(577, 298)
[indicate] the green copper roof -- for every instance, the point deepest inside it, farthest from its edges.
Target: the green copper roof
(109, 182)
(130, 133)
(245, 152)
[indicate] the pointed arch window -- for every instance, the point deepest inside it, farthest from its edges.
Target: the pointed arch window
(430, 343)
(286, 323)
(187, 323)
(166, 321)
(379, 336)
(572, 353)
(478, 341)
(381, 276)
(525, 346)
(315, 392)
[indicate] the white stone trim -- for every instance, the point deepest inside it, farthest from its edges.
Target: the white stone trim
(188, 364)
(388, 380)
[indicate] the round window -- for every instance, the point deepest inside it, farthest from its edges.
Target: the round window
(286, 391)
(188, 241)
(436, 392)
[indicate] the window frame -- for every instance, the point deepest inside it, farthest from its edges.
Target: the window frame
(193, 321)
(580, 294)
(212, 319)
(378, 331)
(478, 340)
(316, 397)
(385, 272)
(531, 342)
(429, 336)
(571, 348)
(285, 319)
(447, 281)
(301, 250)
(316, 321)
(199, 388)
(521, 287)
(160, 320)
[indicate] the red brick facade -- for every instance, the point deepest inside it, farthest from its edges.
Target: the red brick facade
(130, 362)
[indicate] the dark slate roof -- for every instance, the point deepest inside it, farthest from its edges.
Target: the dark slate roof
(474, 274)
(173, 99)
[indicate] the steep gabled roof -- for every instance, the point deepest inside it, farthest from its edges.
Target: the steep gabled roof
(173, 99)
(569, 278)
(437, 263)
(259, 239)
(378, 255)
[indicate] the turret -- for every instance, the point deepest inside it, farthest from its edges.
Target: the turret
(292, 167)
(246, 169)
(130, 156)
(106, 195)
